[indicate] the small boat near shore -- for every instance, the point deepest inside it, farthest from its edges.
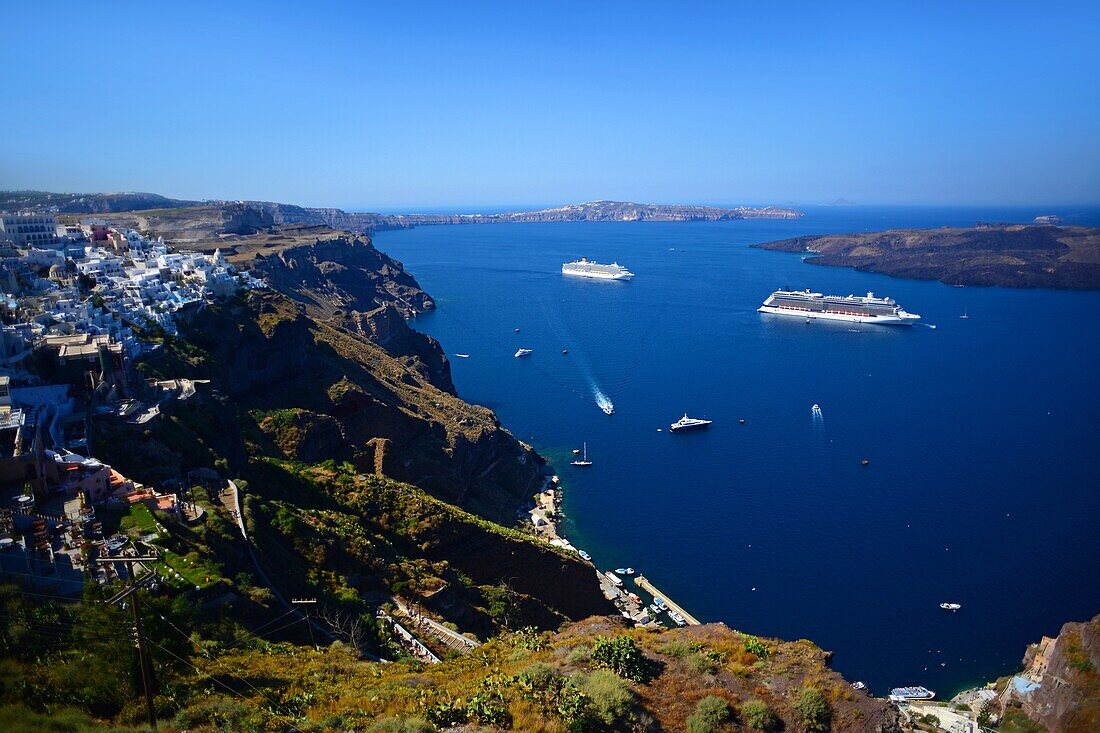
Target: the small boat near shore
(857, 685)
(951, 606)
(624, 571)
(523, 352)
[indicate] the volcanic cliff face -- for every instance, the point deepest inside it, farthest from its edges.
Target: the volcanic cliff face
(1068, 697)
(342, 278)
(318, 392)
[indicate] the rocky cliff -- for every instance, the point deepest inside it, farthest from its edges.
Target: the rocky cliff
(990, 254)
(1068, 672)
(316, 391)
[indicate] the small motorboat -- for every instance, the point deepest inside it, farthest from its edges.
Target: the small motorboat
(857, 685)
(463, 356)
(951, 606)
(584, 555)
(565, 351)
(816, 410)
(741, 421)
(576, 451)
(523, 352)
(624, 571)
(517, 330)
(865, 462)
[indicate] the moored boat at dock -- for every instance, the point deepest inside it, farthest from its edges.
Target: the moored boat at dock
(903, 694)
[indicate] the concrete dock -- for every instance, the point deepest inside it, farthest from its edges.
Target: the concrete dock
(652, 590)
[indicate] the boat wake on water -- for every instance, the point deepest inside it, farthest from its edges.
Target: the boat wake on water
(603, 401)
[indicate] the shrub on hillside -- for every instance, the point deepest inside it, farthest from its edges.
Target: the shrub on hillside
(814, 709)
(610, 698)
(622, 656)
(758, 716)
(402, 725)
(709, 715)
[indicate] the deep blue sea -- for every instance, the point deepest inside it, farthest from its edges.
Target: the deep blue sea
(983, 435)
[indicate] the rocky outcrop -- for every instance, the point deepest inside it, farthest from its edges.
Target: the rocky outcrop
(340, 273)
(246, 220)
(419, 352)
(1068, 672)
(991, 254)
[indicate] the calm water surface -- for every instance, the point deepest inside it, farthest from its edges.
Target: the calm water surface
(984, 480)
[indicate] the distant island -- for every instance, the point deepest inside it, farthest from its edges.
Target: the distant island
(1009, 255)
(610, 211)
(265, 214)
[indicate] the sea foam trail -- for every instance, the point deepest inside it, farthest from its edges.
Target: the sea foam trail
(602, 400)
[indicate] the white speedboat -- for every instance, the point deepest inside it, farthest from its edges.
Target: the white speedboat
(951, 606)
(463, 356)
(686, 423)
(523, 352)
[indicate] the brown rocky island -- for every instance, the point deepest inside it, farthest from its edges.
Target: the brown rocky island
(1017, 256)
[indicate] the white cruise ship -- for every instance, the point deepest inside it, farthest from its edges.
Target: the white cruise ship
(855, 308)
(584, 268)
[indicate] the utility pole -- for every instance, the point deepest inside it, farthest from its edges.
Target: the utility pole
(309, 623)
(131, 592)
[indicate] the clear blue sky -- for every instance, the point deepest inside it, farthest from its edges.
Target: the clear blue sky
(372, 107)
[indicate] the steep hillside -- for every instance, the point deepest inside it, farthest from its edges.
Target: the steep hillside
(317, 392)
(1067, 699)
(1006, 255)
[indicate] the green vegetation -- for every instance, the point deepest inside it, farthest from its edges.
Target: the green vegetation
(622, 656)
(1016, 721)
(814, 710)
(610, 698)
(758, 716)
(710, 714)
(139, 518)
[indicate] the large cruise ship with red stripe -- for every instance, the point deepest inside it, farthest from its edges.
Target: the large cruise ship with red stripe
(853, 308)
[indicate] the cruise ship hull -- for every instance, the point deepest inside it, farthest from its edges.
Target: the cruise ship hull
(599, 275)
(901, 319)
